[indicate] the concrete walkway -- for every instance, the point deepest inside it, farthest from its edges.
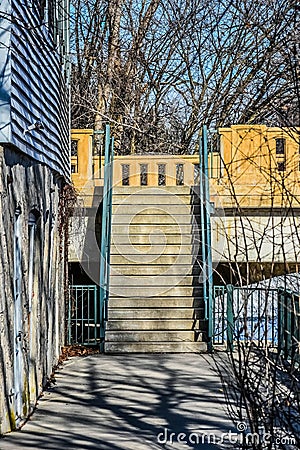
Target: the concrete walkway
(128, 402)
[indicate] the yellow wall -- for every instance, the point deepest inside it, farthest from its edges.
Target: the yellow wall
(249, 175)
(243, 174)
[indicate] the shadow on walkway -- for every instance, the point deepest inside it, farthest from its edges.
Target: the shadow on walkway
(129, 402)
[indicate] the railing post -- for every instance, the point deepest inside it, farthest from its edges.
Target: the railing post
(230, 317)
(205, 223)
(288, 324)
(104, 237)
(202, 225)
(281, 338)
(69, 317)
(296, 307)
(109, 219)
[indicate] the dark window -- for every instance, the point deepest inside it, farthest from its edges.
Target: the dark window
(214, 143)
(281, 166)
(179, 175)
(161, 174)
(125, 174)
(74, 147)
(74, 154)
(144, 174)
(280, 146)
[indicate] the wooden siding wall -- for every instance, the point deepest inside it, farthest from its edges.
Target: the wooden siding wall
(5, 79)
(37, 79)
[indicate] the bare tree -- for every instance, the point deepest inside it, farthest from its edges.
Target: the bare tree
(160, 69)
(261, 373)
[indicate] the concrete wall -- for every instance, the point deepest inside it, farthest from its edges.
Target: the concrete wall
(260, 236)
(32, 310)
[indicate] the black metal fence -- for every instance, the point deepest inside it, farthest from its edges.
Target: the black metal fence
(83, 315)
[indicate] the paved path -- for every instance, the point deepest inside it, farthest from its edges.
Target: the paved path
(128, 402)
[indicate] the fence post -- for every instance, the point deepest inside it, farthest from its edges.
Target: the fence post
(104, 238)
(296, 307)
(281, 337)
(69, 338)
(230, 317)
(205, 212)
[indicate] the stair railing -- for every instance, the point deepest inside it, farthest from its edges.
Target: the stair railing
(205, 233)
(106, 233)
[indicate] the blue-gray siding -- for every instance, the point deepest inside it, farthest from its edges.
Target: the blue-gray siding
(33, 86)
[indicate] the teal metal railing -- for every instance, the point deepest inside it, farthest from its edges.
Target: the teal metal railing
(245, 314)
(83, 315)
(106, 232)
(289, 324)
(205, 233)
(219, 315)
(268, 317)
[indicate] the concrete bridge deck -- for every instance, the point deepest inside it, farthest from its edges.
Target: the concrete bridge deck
(128, 402)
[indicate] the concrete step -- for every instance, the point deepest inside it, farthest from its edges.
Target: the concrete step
(152, 336)
(154, 313)
(151, 200)
(145, 228)
(156, 302)
(155, 347)
(141, 260)
(153, 238)
(152, 280)
(153, 324)
(151, 249)
(155, 291)
(161, 219)
(152, 190)
(152, 209)
(153, 270)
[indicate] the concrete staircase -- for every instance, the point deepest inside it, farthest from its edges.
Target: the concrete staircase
(155, 299)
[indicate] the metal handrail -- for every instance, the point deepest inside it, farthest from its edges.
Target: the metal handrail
(106, 233)
(205, 224)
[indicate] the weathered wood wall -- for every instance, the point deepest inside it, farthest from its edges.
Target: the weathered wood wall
(32, 321)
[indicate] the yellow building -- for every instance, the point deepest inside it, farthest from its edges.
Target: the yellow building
(248, 166)
(259, 167)
(254, 186)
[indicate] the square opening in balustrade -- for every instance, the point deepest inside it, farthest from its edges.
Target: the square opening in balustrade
(161, 174)
(179, 175)
(144, 174)
(125, 174)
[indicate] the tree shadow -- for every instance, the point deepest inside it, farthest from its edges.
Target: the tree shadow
(128, 402)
